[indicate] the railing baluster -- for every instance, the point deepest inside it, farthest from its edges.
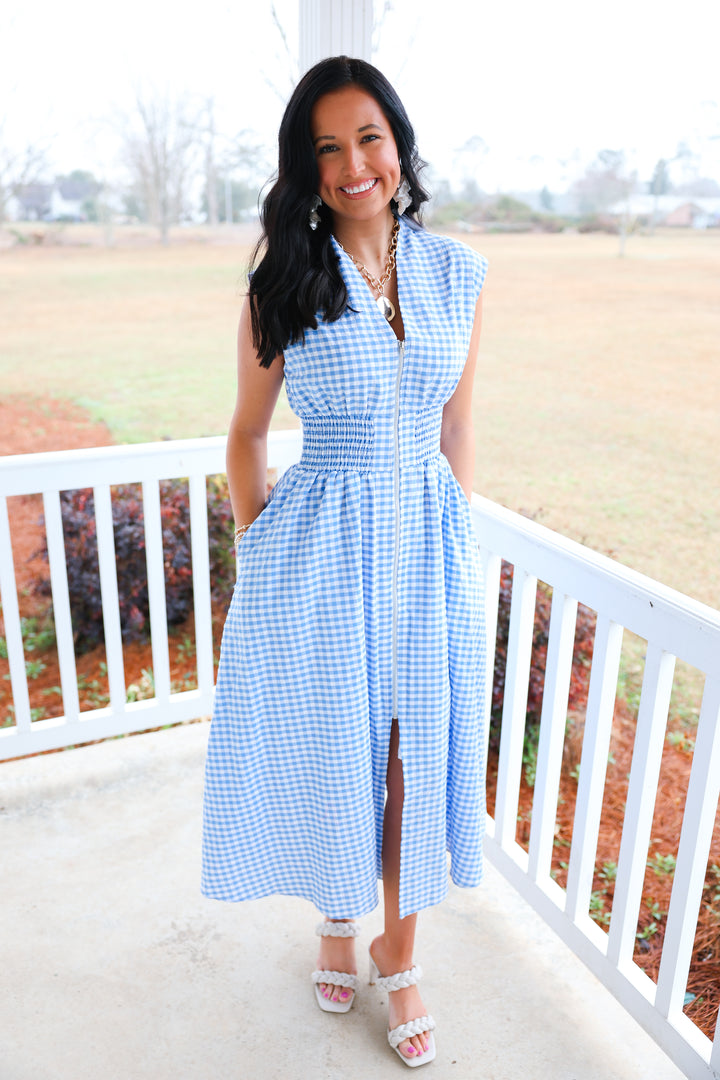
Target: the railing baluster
(156, 588)
(61, 605)
(110, 602)
(556, 691)
(201, 586)
(517, 671)
(715, 1052)
(593, 765)
(492, 565)
(640, 804)
(13, 628)
(695, 839)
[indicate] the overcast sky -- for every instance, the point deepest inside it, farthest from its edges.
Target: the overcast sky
(544, 83)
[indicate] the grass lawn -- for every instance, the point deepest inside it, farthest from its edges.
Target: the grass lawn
(598, 402)
(597, 399)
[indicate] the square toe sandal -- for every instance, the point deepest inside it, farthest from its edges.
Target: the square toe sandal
(335, 978)
(412, 1027)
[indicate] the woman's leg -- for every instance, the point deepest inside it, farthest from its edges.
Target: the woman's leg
(337, 954)
(392, 951)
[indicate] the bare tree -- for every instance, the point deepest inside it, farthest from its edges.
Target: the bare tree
(161, 154)
(246, 167)
(287, 62)
(207, 138)
(210, 168)
(468, 165)
(19, 166)
(606, 181)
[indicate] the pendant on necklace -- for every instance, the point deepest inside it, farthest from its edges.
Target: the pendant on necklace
(387, 308)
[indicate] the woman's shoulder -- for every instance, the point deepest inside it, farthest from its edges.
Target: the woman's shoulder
(448, 253)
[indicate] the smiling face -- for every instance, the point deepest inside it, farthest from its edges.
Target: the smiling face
(356, 154)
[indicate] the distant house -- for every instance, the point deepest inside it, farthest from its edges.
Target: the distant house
(67, 199)
(693, 216)
(673, 210)
(33, 201)
(66, 203)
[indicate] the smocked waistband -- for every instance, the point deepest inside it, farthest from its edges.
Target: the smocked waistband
(370, 443)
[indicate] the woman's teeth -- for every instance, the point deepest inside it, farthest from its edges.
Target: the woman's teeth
(357, 189)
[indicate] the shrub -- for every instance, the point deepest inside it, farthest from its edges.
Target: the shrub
(81, 553)
(598, 223)
(584, 636)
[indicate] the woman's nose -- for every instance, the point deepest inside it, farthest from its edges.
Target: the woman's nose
(355, 161)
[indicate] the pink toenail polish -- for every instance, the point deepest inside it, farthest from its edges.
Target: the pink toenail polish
(344, 994)
(411, 1049)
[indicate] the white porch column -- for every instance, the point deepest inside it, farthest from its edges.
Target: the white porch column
(334, 28)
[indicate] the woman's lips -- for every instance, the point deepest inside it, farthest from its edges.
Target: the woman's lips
(361, 190)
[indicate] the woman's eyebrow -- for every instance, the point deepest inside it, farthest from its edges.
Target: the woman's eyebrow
(365, 127)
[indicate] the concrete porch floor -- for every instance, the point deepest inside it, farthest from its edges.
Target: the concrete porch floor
(114, 967)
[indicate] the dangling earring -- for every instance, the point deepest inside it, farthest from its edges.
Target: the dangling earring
(403, 195)
(314, 218)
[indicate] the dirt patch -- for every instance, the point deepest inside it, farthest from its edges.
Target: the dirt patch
(36, 425)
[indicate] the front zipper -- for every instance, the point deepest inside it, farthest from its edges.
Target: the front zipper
(396, 550)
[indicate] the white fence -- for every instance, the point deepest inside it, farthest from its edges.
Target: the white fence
(672, 625)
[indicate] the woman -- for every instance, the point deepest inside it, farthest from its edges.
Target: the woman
(346, 740)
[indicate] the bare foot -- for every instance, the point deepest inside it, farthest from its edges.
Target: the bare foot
(337, 954)
(403, 1005)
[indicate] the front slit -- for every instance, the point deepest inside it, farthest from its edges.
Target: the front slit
(396, 538)
(392, 822)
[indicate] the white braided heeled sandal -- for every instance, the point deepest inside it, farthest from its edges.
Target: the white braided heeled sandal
(413, 1027)
(335, 978)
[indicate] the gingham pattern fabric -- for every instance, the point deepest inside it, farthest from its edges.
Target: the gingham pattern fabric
(297, 756)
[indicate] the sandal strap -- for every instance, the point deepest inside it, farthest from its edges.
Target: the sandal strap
(337, 929)
(336, 978)
(412, 1028)
(400, 981)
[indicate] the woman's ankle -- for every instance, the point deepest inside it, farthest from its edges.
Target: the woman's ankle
(391, 956)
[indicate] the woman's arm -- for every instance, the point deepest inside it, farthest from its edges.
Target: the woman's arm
(257, 392)
(457, 437)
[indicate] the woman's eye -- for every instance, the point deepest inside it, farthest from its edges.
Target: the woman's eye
(369, 138)
(327, 148)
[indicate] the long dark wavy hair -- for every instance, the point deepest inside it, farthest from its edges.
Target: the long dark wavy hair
(298, 274)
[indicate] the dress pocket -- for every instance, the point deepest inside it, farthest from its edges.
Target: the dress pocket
(258, 527)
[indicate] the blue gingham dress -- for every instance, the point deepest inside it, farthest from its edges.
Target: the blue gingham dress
(358, 597)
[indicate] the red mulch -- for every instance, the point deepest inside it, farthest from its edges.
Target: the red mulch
(704, 977)
(30, 425)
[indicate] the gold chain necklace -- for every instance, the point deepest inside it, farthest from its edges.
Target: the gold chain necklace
(387, 308)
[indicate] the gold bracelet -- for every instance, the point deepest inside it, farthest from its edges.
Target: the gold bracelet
(239, 533)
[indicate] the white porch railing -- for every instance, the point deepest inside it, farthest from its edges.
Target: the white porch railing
(673, 626)
(100, 469)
